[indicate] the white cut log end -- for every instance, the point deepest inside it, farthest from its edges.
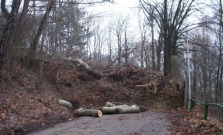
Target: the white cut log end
(99, 113)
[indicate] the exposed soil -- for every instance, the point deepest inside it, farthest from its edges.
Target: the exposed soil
(25, 106)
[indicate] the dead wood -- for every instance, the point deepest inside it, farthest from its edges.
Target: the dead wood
(88, 112)
(66, 104)
(111, 108)
(85, 66)
(154, 84)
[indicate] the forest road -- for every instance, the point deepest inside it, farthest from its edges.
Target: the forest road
(147, 123)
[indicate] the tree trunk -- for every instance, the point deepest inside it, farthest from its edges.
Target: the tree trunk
(204, 72)
(40, 75)
(24, 12)
(34, 43)
(174, 69)
(111, 108)
(219, 79)
(126, 49)
(194, 89)
(119, 49)
(21, 24)
(186, 92)
(165, 37)
(4, 10)
(209, 86)
(158, 51)
(153, 45)
(110, 46)
(5, 42)
(87, 112)
(142, 54)
(220, 86)
(166, 60)
(60, 29)
(85, 66)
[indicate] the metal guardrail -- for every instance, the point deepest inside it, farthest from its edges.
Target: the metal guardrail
(206, 104)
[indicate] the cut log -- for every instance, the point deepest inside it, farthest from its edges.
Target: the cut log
(120, 110)
(85, 66)
(87, 112)
(111, 108)
(66, 104)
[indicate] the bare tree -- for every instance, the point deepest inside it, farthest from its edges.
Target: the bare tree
(170, 17)
(220, 65)
(34, 43)
(6, 39)
(120, 25)
(143, 35)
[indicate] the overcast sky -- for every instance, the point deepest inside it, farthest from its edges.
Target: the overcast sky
(121, 8)
(124, 7)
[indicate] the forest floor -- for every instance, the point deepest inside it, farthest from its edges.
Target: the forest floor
(27, 106)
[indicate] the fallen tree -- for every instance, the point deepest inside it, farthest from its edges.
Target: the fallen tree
(111, 108)
(85, 66)
(87, 112)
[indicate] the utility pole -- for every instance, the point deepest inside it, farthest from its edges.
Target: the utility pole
(187, 56)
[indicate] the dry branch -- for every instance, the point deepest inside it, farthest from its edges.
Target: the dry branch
(153, 84)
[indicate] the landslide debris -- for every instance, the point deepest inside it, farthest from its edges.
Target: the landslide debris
(25, 108)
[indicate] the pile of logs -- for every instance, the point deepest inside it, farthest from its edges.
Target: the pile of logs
(109, 108)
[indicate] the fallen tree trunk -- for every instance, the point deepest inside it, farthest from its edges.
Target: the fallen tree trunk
(111, 108)
(85, 66)
(66, 104)
(87, 112)
(119, 109)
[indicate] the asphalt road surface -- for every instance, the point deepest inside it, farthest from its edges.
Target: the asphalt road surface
(147, 123)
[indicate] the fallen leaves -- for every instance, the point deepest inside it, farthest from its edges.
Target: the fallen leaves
(189, 123)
